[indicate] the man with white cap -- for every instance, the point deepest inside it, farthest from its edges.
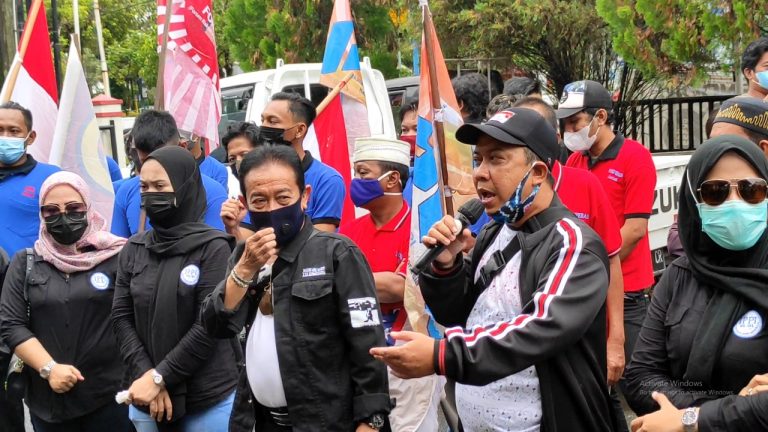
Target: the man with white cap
(381, 171)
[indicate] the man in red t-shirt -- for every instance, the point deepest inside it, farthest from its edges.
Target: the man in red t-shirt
(625, 169)
(582, 193)
(383, 235)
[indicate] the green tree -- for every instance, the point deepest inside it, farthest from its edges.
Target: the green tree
(563, 41)
(258, 32)
(682, 40)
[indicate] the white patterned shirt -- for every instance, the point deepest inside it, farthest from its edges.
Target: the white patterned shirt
(512, 403)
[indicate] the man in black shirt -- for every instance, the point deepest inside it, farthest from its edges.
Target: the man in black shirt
(309, 302)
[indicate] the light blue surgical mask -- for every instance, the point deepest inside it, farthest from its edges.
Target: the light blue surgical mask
(12, 149)
(762, 79)
(734, 225)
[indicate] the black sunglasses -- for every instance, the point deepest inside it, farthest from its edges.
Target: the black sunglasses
(751, 190)
(74, 211)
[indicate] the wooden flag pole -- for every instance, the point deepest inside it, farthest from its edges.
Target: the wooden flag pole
(160, 87)
(332, 94)
(437, 112)
(14, 72)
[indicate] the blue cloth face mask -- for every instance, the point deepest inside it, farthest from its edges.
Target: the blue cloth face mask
(12, 149)
(734, 225)
(363, 191)
(762, 79)
(514, 209)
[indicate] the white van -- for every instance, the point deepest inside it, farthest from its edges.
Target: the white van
(244, 96)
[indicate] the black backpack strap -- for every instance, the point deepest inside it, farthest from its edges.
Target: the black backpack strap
(497, 262)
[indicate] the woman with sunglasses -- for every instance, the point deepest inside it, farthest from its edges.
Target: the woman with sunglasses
(705, 336)
(57, 321)
(181, 379)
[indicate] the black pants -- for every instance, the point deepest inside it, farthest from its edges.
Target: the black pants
(109, 418)
(635, 309)
(11, 412)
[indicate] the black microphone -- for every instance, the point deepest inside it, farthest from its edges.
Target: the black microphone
(468, 214)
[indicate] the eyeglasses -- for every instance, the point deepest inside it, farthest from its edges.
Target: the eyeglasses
(75, 211)
(751, 190)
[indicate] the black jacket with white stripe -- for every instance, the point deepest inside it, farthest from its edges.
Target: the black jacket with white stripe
(561, 329)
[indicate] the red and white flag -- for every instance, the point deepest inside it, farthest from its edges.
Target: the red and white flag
(332, 135)
(191, 78)
(31, 81)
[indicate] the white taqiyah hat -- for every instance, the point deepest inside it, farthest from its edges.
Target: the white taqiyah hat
(382, 148)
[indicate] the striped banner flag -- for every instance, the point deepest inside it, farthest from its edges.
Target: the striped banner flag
(191, 78)
(77, 145)
(428, 193)
(31, 81)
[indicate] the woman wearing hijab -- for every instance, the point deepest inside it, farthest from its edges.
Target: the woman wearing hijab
(180, 376)
(56, 319)
(705, 335)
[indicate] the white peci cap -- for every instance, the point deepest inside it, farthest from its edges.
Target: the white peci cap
(382, 148)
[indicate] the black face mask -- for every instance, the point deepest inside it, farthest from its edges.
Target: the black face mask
(159, 206)
(270, 135)
(286, 221)
(67, 228)
(234, 167)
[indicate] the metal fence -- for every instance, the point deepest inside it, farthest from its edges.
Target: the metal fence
(667, 125)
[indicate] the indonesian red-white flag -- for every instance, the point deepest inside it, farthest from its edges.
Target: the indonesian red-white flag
(191, 77)
(31, 81)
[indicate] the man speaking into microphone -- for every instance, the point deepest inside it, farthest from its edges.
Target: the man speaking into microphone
(528, 305)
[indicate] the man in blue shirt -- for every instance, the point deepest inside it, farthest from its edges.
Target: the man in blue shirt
(20, 179)
(286, 119)
(208, 165)
(151, 131)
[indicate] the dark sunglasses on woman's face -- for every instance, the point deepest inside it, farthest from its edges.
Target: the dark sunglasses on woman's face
(75, 211)
(751, 190)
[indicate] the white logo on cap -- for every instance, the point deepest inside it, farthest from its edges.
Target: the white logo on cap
(100, 281)
(573, 95)
(190, 274)
(749, 325)
(502, 116)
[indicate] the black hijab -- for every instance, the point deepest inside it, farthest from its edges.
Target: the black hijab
(178, 236)
(738, 279)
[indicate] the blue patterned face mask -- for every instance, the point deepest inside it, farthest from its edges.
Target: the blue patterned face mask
(513, 210)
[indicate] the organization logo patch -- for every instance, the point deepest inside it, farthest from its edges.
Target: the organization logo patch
(190, 274)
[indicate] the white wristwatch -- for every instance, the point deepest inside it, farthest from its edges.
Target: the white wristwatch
(157, 378)
(45, 372)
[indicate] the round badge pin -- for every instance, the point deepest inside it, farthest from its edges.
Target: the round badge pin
(749, 325)
(190, 274)
(100, 281)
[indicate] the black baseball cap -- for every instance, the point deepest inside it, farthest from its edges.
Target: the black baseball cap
(518, 127)
(580, 95)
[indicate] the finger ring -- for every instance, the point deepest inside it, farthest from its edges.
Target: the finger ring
(750, 392)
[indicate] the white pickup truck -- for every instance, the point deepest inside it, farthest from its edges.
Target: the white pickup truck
(244, 96)
(669, 175)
